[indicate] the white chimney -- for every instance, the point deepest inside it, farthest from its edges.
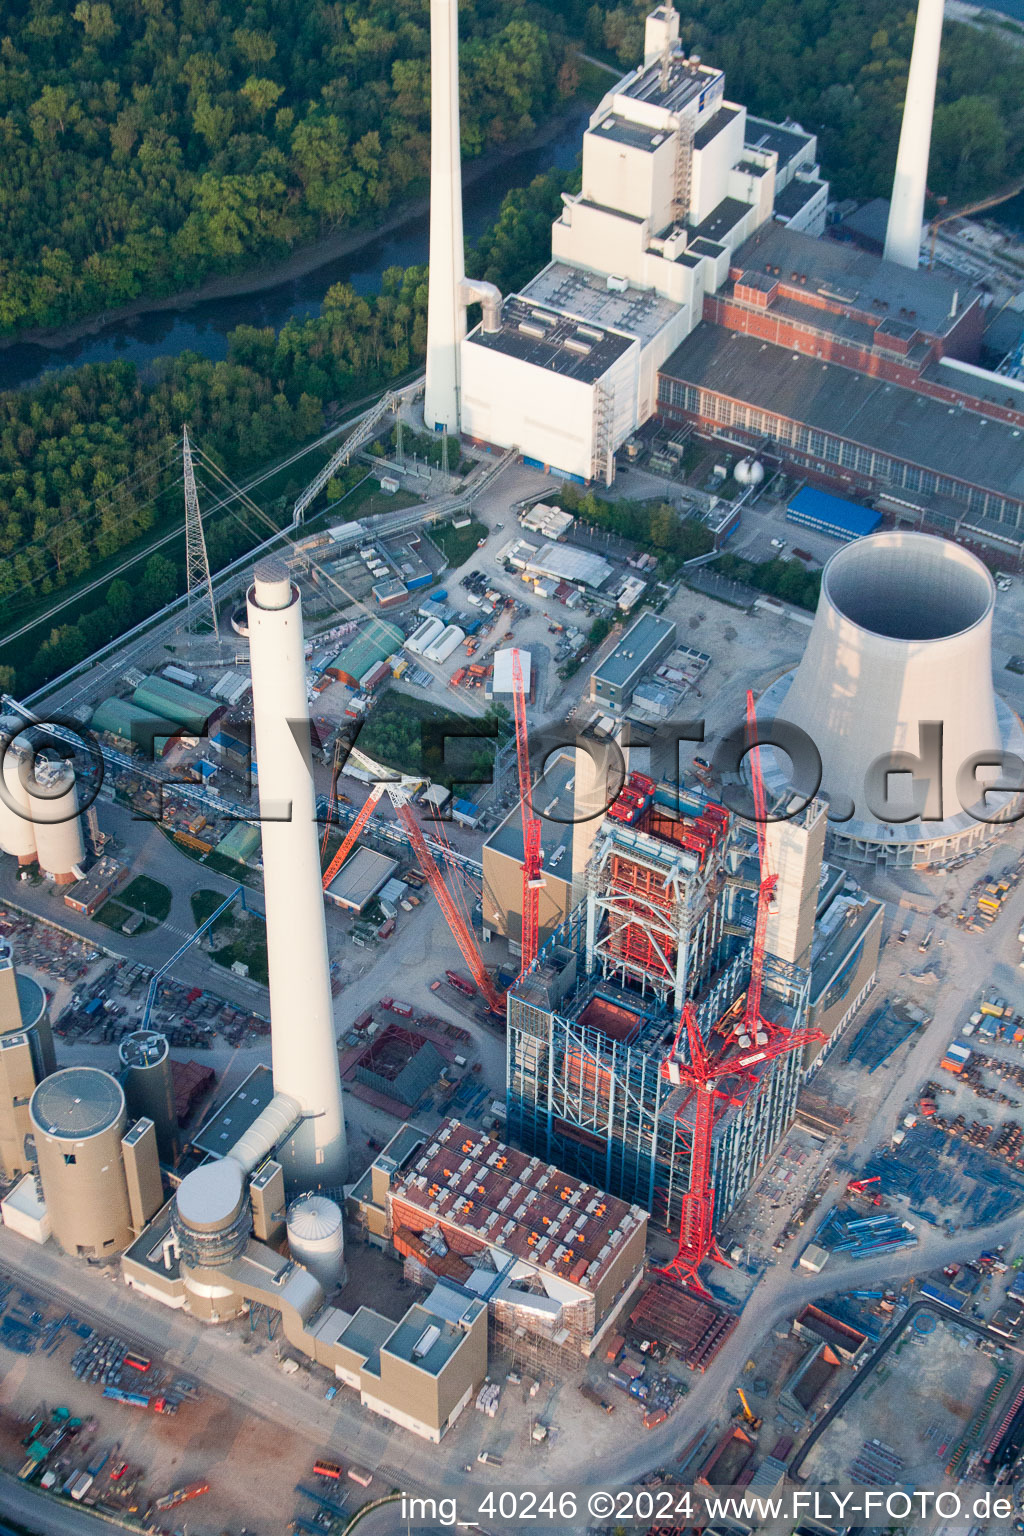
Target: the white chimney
(304, 1050)
(449, 289)
(446, 314)
(906, 211)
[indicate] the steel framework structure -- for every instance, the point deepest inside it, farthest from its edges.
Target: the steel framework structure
(201, 604)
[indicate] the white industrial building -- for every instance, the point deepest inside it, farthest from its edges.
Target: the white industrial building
(675, 178)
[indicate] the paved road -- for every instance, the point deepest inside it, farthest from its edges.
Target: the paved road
(38, 1512)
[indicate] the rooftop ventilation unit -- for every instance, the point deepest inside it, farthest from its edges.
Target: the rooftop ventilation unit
(528, 328)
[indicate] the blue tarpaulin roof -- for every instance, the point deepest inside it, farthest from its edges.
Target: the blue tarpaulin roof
(831, 513)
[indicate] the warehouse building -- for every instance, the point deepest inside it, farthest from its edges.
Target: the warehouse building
(375, 642)
(131, 728)
(832, 515)
(363, 874)
(643, 645)
(168, 700)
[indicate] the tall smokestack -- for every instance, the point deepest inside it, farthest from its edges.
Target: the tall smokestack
(305, 1055)
(906, 211)
(446, 312)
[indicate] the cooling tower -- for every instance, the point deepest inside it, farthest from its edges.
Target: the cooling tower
(304, 1050)
(906, 210)
(900, 646)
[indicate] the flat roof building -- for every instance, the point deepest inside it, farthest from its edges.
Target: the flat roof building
(551, 1257)
(363, 874)
(832, 515)
(643, 645)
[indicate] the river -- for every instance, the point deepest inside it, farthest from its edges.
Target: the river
(204, 327)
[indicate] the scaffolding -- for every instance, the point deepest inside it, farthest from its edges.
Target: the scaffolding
(654, 914)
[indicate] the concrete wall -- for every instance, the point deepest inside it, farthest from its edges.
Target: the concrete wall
(795, 852)
(709, 175)
(510, 403)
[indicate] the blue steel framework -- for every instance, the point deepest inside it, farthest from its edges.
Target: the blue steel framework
(599, 1108)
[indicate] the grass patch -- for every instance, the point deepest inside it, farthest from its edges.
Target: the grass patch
(204, 904)
(457, 544)
(148, 897)
(395, 734)
(249, 945)
(114, 916)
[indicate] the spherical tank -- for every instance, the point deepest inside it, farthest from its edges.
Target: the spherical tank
(749, 472)
(78, 1118)
(148, 1085)
(17, 835)
(60, 846)
(316, 1239)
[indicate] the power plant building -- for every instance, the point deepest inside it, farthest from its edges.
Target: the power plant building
(674, 180)
(26, 1057)
(668, 917)
(148, 1084)
(554, 1259)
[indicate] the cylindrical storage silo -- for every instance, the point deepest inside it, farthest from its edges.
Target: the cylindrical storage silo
(17, 835)
(148, 1085)
(211, 1224)
(60, 844)
(78, 1118)
(316, 1239)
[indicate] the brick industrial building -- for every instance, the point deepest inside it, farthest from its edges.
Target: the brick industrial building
(857, 373)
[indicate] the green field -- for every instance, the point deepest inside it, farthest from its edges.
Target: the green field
(457, 544)
(148, 897)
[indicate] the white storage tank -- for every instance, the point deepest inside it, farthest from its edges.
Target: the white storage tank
(60, 845)
(316, 1239)
(17, 835)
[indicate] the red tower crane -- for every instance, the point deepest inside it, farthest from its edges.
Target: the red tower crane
(533, 878)
(759, 1042)
(703, 1076)
(398, 793)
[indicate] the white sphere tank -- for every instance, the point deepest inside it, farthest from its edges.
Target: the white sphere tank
(749, 472)
(17, 834)
(60, 845)
(316, 1239)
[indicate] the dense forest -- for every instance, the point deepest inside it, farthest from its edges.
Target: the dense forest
(84, 455)
(148, 144)
(839, 67)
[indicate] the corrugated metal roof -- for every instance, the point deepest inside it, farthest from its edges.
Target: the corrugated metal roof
(170, 701)
(835, 511)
